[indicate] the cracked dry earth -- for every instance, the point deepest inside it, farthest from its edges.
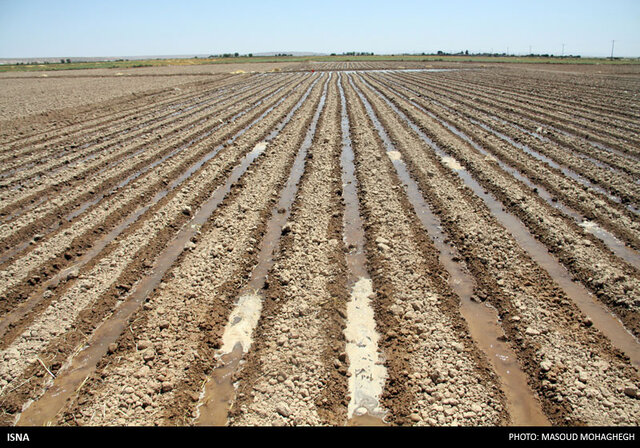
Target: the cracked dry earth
(357, 245)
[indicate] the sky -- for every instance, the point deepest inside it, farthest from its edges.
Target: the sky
(94, 28)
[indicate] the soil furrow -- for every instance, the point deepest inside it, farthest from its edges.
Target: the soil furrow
(64, 159)
(568, 361)
(63, 243)
(70, 271)
(553, 229)
(57, 147)
(422, 330)
(570, 92)
(619, 188)
(533, 120)
(559, 120)
(172, 97)
(522, 405)
(123, 149)
(509, 158)
(595, 170)
(367, 373)
(101, 275)
(218, 254)
(536, 129)
(192, 144)
(261, 304)
(403, 243)
(579, 113)
(118, 177)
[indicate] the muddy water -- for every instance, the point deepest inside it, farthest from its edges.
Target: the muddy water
(219, 392)
(368, 373)
(524, 408)
(614, 244)
(601, 317)
(81, 366)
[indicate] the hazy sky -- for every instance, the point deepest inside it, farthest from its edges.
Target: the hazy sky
(56, 28)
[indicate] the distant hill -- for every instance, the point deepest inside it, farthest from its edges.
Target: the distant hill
(292, 53)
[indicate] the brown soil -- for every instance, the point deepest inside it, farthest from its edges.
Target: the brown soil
(151, 179)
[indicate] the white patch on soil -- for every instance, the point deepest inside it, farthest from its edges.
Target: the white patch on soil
(394, 155)
(242, 321)
(588, 225)
(368, 373)
(596, 230)
(452, 163)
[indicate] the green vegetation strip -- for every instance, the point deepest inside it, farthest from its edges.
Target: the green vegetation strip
(333, 58)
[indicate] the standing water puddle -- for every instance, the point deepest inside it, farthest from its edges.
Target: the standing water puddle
(81, 366)
(602, 318)
(219, 391)
(368, 373)
(483, 320)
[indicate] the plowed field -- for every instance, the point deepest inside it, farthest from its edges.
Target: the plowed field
(327, 244)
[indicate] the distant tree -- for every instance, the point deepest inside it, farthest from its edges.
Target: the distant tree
(466, 52)
(236, 55)
(62, 61)
(250, 55)
(68, 61)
